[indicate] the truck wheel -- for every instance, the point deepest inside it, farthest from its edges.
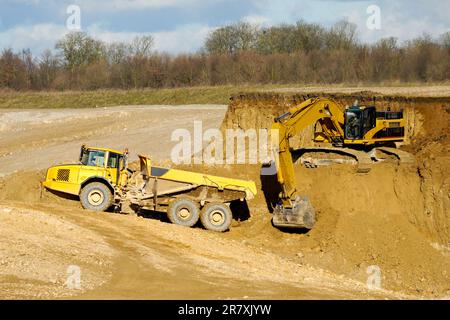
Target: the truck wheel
(183, 212)
(96, 196)
(216, 217)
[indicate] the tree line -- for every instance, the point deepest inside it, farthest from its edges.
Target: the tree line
(236, 54)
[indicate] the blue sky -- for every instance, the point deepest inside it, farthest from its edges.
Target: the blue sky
(182, 25)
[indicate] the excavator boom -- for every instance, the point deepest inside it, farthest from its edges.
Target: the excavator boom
(290, 124)
(292, 210)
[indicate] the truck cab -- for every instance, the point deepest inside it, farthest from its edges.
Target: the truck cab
(106, 163)
(97, 174)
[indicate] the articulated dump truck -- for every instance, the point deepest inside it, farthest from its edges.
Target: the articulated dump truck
(102, 179)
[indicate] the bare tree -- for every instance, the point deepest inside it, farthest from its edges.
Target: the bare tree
(13, 73)
(231, 39)
(142, 46)
(48, 68)
(342, 36)
(78, 49)
(236, 54)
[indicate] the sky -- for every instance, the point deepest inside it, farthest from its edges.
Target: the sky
(182, 25)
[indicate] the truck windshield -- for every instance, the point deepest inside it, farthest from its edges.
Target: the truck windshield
(93, 158)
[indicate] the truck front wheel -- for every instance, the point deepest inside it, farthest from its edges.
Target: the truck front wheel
(183, 212)
(96, 196)
(216, 217)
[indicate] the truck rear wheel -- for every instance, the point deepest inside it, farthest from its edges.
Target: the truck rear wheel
(96, 196)
(216, 217)
(183, 212)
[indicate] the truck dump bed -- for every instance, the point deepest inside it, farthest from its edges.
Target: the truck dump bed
(198, 179)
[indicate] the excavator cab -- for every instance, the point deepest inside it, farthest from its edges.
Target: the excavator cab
(358, 121)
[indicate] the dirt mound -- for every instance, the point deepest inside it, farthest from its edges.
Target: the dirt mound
(39, 253)
(44, 237)
(25, 186)
(37, 249)
(363, 220)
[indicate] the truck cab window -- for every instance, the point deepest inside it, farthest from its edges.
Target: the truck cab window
(113, 160)
(93, 158)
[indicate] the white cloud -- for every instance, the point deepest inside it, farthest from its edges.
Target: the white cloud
(401, 19)
(397, 22)
(36, 37)
(258, 20)
(119, 5)
(187, 38)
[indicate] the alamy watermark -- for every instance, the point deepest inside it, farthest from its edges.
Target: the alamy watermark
(216, 147)
(73, 281)
(373, 22)
(73, 21)
(374, 277)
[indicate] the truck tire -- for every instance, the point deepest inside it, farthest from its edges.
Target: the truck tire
(96, 196)
(183, 212)
(216, 217)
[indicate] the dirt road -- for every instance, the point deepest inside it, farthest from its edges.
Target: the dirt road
(35, 139)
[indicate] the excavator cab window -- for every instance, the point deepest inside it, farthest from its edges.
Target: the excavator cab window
(353, 123)
(369, 119)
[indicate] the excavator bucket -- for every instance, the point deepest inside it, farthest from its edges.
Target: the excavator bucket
(300, 215)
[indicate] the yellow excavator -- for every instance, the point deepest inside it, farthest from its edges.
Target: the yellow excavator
(350, 131)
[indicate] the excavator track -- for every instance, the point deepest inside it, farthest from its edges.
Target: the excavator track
(402, 156)
(364, 161)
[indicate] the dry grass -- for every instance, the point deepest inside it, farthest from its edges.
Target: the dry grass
(195, 95)
(106, 98)
(410, 90)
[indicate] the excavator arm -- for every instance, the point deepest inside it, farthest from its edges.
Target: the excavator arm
(293, 210)
(293, 122)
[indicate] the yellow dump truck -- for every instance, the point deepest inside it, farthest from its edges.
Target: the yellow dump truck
(102, 180)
